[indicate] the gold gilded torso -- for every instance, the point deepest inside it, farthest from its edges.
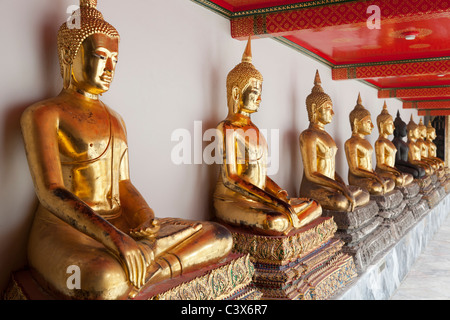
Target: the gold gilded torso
(247, 147)
(388, 150)
(364, 153)
(326, 151)
(92, 145)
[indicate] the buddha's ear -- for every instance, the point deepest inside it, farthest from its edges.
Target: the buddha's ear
(235, 96)
(355, 125)
(66, 64)
(235, 93)
(313, 112)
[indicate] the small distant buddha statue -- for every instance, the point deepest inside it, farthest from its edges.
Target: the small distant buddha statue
(414, 149)
(432, 149)
(320, 179)
(245, 196)
(401, 158)
(90, 215)
(359, 153)
(421, 141)
(386, 151)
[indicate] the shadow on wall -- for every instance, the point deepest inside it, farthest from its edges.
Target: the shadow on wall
(18, 200)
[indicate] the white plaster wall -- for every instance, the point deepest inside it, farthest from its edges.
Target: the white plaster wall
(173, 62)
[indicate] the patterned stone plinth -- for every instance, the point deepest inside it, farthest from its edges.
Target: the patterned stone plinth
(389, 200)
(364, 231)
(367, 250)
(306, 264)
(353, 220)
(394, 209)
(232, 279)
(410, 190)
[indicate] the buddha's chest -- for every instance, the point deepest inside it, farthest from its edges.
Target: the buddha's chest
(88, 136)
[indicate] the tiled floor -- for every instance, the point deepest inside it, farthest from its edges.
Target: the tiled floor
(429, 277)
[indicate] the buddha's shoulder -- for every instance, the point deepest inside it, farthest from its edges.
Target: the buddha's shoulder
(43, 108)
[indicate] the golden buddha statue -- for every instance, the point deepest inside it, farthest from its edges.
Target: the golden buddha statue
(245, 196)
(386, 151)
(359, 154)
(424, 147)
(320, 179)
(414, 149)
(90, 215)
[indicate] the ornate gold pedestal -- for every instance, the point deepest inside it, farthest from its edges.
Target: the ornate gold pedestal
(307, 264)
(228, 280)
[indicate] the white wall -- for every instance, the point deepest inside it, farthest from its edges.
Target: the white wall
(174, 59)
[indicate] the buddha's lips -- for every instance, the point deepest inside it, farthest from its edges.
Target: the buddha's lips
(106, 78)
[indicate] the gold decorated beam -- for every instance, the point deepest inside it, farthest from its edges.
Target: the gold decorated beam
(279, 20)
(430, 104)
(422, 67)
(417, 93)
(434, 113)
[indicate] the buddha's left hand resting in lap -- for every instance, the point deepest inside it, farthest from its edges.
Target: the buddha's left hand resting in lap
(90, 215)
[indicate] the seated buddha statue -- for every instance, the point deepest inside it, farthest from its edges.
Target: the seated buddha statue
(432, 149)
(421, 141)
(90, 215)
(244, 195)
(386, 151)
(414, 149)
(320, 179)
(402, 162)
(359, 151)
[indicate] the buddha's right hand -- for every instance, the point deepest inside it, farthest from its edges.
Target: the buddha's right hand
(134, 260)
(350, 197)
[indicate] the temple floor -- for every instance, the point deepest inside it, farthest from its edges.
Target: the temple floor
(429, 278)
(414, 268)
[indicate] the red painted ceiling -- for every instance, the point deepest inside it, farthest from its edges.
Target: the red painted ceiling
(341, 34)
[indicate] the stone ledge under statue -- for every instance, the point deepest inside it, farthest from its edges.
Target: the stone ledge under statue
(363, 232)
(306, 264)
(227, 280)
(384, 276)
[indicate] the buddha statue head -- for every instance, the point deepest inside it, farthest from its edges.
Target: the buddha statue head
(244, 85)
(319, 104)
(422, 129)
(431, 132)
(385, 122)
(413, 130)
(400, 127)
(360, 119)
(88, 54)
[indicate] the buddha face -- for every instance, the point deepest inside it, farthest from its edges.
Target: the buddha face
(431, 135)
(324, 114)
(365, 125)
(388, 126)
(251, 96)
(95, 63)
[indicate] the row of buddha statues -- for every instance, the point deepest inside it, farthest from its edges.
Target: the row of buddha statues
(91, 215)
